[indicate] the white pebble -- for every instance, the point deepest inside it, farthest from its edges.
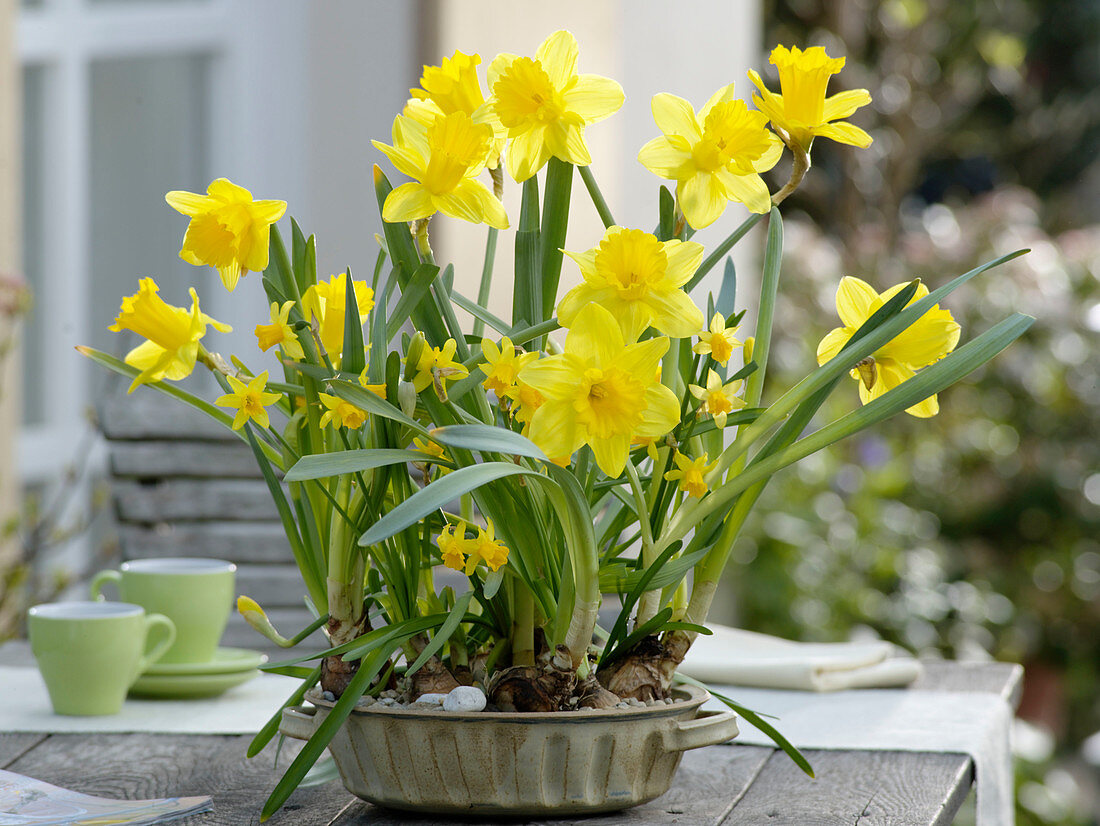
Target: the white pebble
(465, 698)
(365, 701)
(437, 699)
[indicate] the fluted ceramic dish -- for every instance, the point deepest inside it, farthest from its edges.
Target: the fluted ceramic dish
(495, 763)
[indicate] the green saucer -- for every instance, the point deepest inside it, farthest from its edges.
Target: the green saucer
(188, 686)
(225, 661)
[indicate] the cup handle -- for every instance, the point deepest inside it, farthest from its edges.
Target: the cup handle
(708, 728)
(158, 650)
(101, 579)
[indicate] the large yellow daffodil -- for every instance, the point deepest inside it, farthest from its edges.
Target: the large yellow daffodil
(445, 157)
(638, 279)
(545, 104)
(172, 334)
(803, 111)
(715, 156)
(602, 391)
(927, 340)
(228, 231)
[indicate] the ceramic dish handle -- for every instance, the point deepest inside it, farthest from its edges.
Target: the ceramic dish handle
(707, 729)
(297, 722)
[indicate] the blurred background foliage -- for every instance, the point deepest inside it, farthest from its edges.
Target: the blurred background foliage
(974, 534)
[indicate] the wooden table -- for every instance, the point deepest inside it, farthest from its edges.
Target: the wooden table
(731, 785)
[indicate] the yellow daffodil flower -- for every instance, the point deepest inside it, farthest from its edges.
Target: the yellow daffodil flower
(715, 156)
(525, 400)
(445, 158)
(377, 389)
(432, 449)
(927, 340)
(717, 342)
(250, 400)
(485, 547)
(228, 230)
(437, 366)
(545, 105)
(502, 365)
(340, 413)
(454, 546)
(650, 444)
(601, 392)
(172, 334)
(326, 303)
(802, 110)
(718, 399)
(691, 474)
(638, 279)
(280, 332)
(453, 87)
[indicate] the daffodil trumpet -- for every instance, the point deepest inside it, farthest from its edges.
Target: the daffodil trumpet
(610, 437)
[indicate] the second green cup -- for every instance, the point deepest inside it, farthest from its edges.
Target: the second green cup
(196, 594)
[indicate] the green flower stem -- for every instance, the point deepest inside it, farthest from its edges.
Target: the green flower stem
(439, 291)
(798, 171)
(720, 251)
(769, 287)
(555, 222)
(486, 285)
(597, 196)
(650, 600)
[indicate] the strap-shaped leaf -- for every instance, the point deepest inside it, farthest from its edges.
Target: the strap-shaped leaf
(324, 465)
(487, 438)
(353, 359)
(454, 618)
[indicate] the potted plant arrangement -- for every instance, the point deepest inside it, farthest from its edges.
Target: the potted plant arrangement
(610, 440)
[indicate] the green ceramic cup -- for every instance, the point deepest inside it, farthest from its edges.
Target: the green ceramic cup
(196, 594)
(90, 653)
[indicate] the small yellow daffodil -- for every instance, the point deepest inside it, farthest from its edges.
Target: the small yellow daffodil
(445, 158)
(250, 400)
(927, 340)
(437, 366)
(502, 364)
(172, 334)
(377, 389)
(525, 400)
(602, 391)
(715, 156)
(691, 474)
(718, 399)
(802, 110)
(228, 230)
(486, 548)
(545, 104)
(326, 303)
(340, 413)
(454, 546)
(717, 342)
(639, 280)
(452, 87)
(280, 332)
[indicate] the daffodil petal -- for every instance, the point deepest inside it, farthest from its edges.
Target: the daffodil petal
(833, 343)
(843, 104)
(553, 428)
(749, 190)
(225, 190)
(665, 160)
(554, 377)
(856, 300)
(558, 56)
(188, 203)
(585, 260)
(594, 97)
(566, 141)
(641, 358)
(674, 116)
(406, 162)
(409, 202)
(595, 336)
(684, 258)
(703, 199)
(674, 313)
(771, 156)
(844, 133)
(661, 414)
(722, 95)
(611, 453)
(527, 154)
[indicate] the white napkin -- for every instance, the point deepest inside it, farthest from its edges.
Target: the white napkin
(25, 706)
(974, 723)
(731, 655)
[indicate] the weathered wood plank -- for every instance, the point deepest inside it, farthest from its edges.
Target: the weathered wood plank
(14, 746)
(175, 458)
(148, 414)
(144, 766)
(704, 788)
(241, 542)
(194, 500)
(868, 788)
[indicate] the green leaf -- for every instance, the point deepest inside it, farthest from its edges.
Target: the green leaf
(411, 295)
(769, 286)
(666, 208)
(353, 359)
(652, 626)
(555, 220)
(440, 492)
(480, 313)
(527, 293)
(487, 438)
(727, 293)
(444, 633)
(271, 727)
(758, 721)
(366, 400)
(324, 465)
